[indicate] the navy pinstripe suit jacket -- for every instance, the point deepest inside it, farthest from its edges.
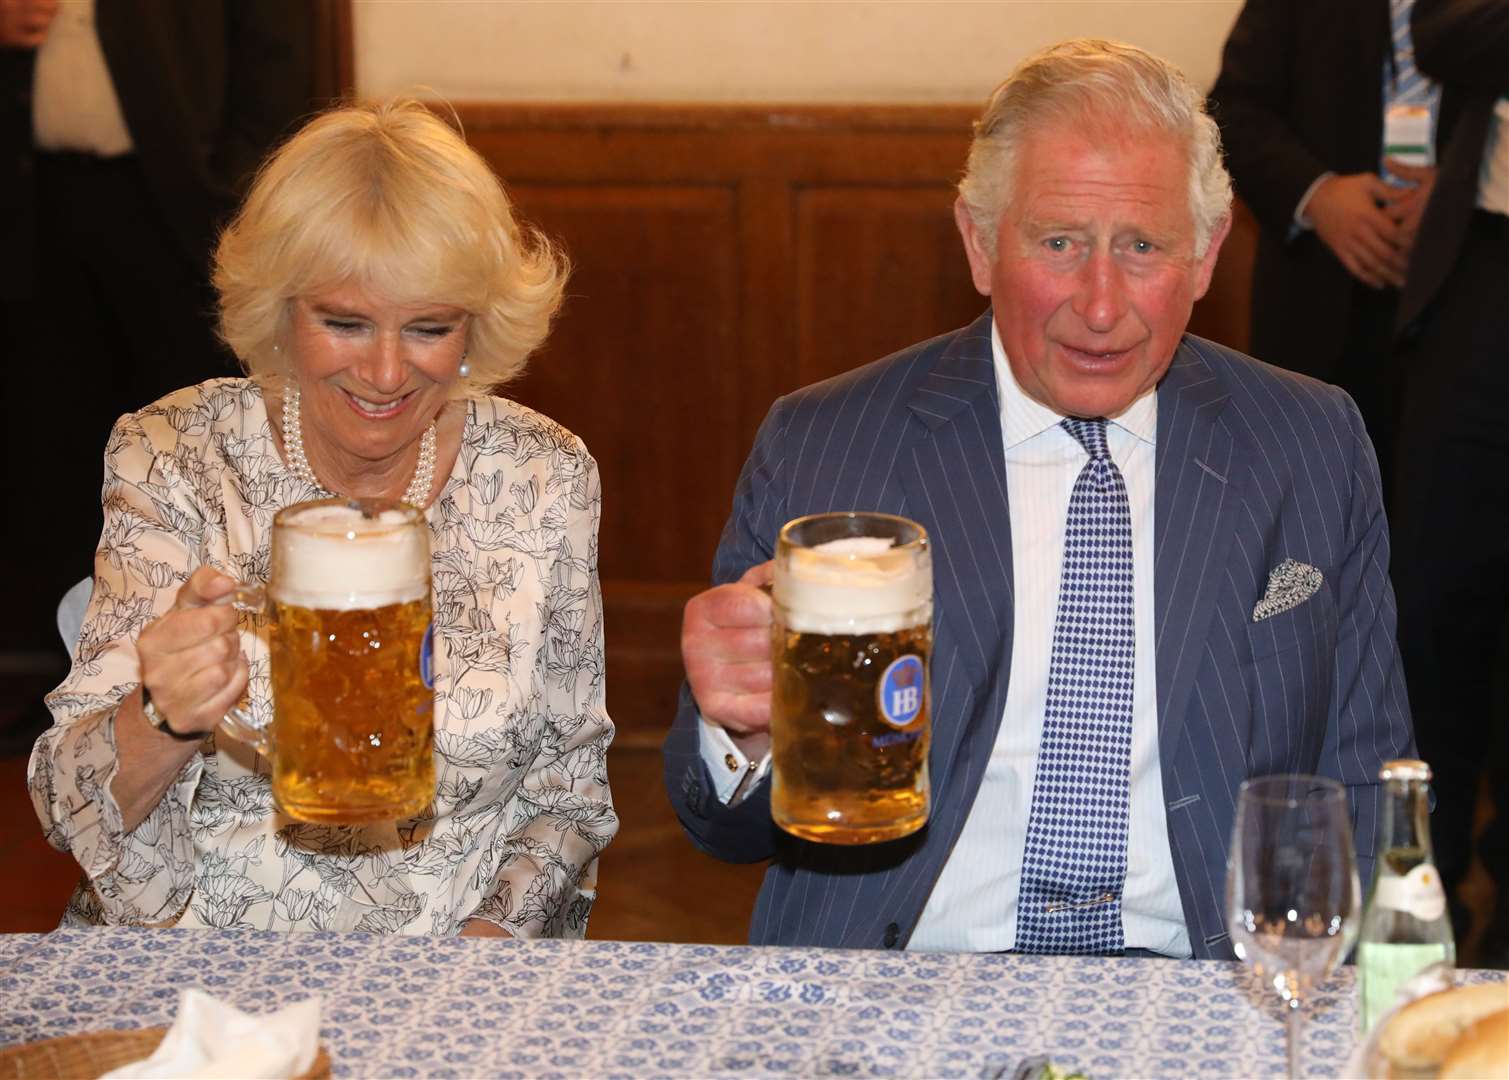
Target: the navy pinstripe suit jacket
(1253, 465)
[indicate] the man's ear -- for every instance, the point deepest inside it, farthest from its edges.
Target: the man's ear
(981, 259)
(1207, 263)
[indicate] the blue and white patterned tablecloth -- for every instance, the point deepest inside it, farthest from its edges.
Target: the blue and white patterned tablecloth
(470, 1007)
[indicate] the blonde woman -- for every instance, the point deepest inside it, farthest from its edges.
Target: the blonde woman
(376, 287)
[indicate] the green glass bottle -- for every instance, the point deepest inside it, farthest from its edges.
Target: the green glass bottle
(1405, 925)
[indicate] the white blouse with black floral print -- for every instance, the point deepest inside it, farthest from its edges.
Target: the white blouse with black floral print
(522, 808)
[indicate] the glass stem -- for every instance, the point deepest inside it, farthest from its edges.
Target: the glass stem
(1294, 1039)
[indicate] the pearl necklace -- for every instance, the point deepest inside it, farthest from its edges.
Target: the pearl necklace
(293, 442)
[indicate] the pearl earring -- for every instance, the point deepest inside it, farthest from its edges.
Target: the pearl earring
(465, 369)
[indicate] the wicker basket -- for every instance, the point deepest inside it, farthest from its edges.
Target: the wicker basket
(95, 1053)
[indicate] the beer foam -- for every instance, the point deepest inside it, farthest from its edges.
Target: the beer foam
(856, 585)
(335, 558)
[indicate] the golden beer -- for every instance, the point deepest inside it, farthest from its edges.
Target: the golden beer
(851, 645)
(348, 598)
(352, 717)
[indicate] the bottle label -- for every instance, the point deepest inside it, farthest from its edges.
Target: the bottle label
(1418, 893)
(1383, 969)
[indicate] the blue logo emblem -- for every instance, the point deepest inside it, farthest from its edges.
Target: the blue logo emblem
(427, 657)
(899, 694)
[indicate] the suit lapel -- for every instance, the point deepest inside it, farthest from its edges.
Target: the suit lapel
(953, 473)
(1197, 491)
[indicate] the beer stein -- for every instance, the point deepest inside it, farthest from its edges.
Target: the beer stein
(851, 637)
(348, 601)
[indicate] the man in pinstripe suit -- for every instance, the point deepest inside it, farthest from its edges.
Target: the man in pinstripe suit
(1092, 213)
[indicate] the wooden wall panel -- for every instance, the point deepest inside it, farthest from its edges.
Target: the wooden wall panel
(877, 270)
(334, 56)
(1225, 315)
(644, 362)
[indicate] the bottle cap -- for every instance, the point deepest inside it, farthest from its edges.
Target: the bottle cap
(1404, 769)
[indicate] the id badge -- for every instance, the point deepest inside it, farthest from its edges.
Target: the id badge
(1406, 134)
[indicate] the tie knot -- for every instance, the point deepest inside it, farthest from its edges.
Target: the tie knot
(1091, 434)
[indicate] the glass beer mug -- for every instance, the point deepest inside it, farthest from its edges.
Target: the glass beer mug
(348, 599)
(851, 637)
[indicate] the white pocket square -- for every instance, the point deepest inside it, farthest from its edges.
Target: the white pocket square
(1289, 585)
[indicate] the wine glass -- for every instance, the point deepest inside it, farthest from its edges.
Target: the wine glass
(1292, 897)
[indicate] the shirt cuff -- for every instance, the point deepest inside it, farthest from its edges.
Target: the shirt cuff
(1302, 222)
(734, 775)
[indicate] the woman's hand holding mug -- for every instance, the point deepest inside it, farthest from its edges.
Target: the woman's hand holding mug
(350, 736)
(191, 660)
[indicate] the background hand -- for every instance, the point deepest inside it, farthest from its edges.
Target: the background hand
(191, 657)
(24, 23)
(725, 645)
(1407, 205)
(1347, 217)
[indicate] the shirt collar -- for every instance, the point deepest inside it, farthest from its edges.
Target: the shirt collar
(1023, 417)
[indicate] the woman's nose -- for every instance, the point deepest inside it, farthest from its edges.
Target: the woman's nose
(383, 366)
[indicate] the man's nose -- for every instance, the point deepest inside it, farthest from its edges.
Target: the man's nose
(1101, 301)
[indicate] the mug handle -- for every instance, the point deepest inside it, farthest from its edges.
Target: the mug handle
(238, 723)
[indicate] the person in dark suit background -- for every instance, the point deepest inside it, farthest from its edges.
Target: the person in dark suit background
(1264, 623)
(129, 130)
(1451, 516)
(1302, 99)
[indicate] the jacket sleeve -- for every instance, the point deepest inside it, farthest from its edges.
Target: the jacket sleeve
(1463, 42)
(743, 832)
(269, 79)
(1270, 164)
(1370, 721)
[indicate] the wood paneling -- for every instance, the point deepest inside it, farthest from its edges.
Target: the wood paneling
(644, 362)
(878, 268)
(1225, 315)
(726, 255)
(642, 641)
(334, 57)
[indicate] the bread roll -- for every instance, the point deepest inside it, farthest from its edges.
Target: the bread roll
(1420, 1034)
(1481, 1052)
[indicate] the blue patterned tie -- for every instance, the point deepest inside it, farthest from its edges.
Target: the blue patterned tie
(1076, 854)
(1403, 84)
(1407, 85)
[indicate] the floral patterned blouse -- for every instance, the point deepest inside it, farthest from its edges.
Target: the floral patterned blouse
(522, 808)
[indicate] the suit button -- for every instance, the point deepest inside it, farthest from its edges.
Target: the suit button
(892, 935)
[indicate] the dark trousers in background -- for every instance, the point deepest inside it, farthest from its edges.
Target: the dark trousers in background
(1366, 370)
(1451, 548)
(115, 317)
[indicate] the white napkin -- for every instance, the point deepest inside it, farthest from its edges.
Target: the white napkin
(211, 1039)
(1429, 980)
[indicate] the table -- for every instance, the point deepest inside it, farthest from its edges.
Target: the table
(466, 1007)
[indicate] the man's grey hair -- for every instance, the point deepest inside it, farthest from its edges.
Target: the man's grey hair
(1090, 80)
